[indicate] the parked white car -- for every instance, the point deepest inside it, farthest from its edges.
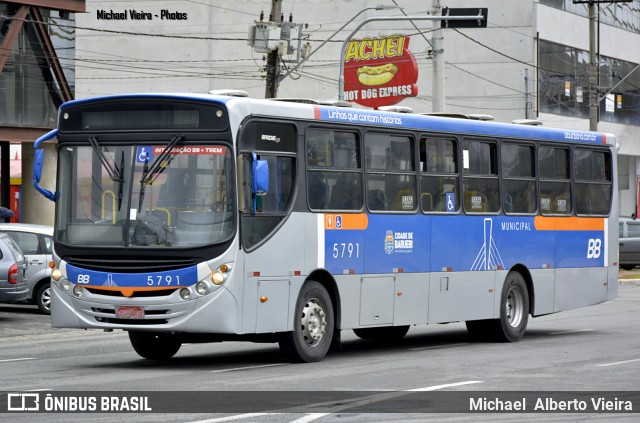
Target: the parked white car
(36, 242)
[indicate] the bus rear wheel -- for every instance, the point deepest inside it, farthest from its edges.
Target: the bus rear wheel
(385, 334)
(155, 345)
(313, 326)
(514, 314)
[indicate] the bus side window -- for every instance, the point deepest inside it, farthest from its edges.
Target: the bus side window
(555, 180)
(593, 181)
(518, 178)
(391, 179)
(480, 177)
(439, 178)
(334, 178)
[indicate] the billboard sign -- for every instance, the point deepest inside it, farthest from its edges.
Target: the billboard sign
(380, 71)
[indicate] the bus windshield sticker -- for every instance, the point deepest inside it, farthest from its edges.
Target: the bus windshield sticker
(143, 153)
(193, 149)
(476, 202)
(407, 202)
(465, 159)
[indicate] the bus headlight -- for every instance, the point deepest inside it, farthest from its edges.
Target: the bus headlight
(217, 278)
(202, 288)
(77, 291)
(65, 284)
(185, 294)
(56, 274)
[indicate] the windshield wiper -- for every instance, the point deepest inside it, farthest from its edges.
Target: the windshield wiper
(115, 172)
(151, 173)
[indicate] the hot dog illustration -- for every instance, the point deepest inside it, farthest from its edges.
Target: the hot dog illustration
(376, 75)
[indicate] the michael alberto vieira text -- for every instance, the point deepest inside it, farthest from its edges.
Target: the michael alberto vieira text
(136, 15)
(549, 404)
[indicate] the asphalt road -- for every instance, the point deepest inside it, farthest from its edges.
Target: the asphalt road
(591, 349)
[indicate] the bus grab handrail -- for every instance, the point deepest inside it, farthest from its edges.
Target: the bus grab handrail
(113, 205)
(38, 160)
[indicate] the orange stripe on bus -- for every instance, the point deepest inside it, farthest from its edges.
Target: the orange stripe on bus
(128, 292)
(346, 221)
(569, 223)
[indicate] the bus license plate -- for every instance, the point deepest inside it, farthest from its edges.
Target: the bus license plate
(129, 312)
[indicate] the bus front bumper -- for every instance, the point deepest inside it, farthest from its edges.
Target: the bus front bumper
(216, 312)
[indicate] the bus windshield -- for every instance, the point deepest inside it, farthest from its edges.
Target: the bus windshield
(155, 196)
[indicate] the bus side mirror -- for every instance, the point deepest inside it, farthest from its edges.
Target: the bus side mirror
(38, 161)
(259, 179)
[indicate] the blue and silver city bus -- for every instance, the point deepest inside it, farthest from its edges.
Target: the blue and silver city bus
(205, 218)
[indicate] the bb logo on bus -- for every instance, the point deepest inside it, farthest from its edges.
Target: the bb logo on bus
(593, 248)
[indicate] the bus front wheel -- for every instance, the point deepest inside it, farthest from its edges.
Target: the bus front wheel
(313, 325)
(514, 314)
(155, 345)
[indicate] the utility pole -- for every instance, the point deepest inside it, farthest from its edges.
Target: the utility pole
(273, 65)
(593, 70)
(437, 46)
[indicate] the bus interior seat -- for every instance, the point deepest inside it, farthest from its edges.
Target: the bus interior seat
(427, 201)
(377, 200)
(341, 198)
(175, 191)
(319, 192)
(508, 203)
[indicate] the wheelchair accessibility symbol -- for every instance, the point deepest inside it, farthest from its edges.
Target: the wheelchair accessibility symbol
(451, 206)
(143, 154)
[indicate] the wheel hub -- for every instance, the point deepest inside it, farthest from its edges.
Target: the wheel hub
(514, 306)
(313, 322)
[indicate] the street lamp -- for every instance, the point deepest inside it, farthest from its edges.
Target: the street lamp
(379, 7)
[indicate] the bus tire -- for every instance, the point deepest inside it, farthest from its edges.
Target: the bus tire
(384, 334)
(313, 326)
(514, 314)
(155, 345)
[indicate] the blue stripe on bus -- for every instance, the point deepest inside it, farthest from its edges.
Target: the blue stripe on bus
(419, 243)
(167, 279)
(434, 123)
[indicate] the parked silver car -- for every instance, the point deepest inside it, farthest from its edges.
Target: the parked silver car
(629, 242)
(36, 242)
(13, 264)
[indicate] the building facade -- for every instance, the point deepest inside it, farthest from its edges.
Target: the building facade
(37, 74)
(529, 62)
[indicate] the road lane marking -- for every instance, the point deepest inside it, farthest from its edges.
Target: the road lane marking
(39, 390)
(618, 362)
(571, 331)
(236, 417)
(247, 368)
(17, 359)
(447, 385)
(377, 398)
(310, 417)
